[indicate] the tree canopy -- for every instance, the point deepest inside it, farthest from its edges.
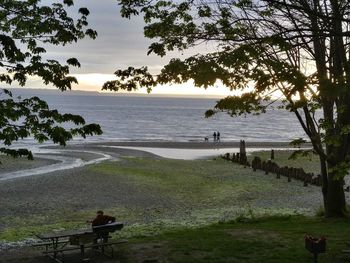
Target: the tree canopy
(26, 29)
(296, 51)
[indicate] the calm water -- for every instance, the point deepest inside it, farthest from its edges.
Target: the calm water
(125, 118)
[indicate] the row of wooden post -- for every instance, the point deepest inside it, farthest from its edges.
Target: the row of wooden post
(271, 167)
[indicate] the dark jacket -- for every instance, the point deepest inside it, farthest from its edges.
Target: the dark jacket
(102, 220)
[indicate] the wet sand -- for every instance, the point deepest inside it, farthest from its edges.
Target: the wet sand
(55, 158)
(194, 144)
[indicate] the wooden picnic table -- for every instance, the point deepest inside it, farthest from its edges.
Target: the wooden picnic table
(58, 242)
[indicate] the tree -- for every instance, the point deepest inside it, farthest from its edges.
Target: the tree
(296, 49)
(26, 28)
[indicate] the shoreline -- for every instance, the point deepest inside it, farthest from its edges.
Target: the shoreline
(56, 158)
(193, 144)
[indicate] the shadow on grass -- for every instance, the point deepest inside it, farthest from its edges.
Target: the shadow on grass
(266, 239)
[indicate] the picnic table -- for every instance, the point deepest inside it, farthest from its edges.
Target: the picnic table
(56, 243)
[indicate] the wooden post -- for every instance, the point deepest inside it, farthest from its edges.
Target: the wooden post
(242, 152)
(278, 175)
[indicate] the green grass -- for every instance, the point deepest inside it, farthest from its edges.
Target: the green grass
(217, 211)
(269, 239)
(310, 164)
(194, 193)
(10, 163)
(197, 193)
(192, 181)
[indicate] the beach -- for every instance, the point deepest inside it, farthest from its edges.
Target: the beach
(54, 158)
(143, 189)
(78, 187)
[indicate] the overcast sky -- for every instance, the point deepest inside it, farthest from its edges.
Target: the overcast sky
(120, 43)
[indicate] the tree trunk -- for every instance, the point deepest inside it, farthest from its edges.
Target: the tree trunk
(324, 176)
(335, 198)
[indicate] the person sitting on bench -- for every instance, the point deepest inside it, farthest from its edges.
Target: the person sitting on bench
(102, 219)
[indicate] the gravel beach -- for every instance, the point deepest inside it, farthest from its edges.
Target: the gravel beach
(80, 188)
(112, 187)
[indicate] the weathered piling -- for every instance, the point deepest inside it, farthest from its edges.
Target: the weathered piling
(271, 167)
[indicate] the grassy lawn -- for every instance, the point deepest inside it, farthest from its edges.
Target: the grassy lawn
(269, 239)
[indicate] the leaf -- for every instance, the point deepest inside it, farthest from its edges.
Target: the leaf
(68, 2)
(300, 153)
(73, 62)
(297, 142)
(84, 11)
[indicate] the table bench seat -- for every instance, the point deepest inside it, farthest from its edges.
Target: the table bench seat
(107, 244)
(49, 243)
(79, 240)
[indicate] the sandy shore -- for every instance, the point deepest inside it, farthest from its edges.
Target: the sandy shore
(54, 158)
(194, 144)
(83, 190)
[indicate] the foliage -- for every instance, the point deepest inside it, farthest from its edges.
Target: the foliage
(26, 29)
(293, 49)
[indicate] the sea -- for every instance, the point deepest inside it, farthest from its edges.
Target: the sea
(159, 118)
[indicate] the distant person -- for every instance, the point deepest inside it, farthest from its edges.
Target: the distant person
(218, 136)
(214, 135)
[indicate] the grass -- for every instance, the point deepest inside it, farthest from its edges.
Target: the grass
(162, 194)
(310, 163)
(198, 211)
(8, 163)
(267, 239)
(187, 181)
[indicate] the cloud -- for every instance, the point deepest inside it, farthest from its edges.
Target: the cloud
(120, 43)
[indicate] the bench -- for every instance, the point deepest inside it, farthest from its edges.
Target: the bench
(79, 240)
(107, 244)
(102, 231)
(49, 243)
(110, 228)
(100, 246)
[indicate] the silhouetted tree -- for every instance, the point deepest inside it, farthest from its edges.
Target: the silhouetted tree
(26, 28)
(295, 49)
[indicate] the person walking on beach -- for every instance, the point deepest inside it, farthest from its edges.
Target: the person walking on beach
(218, 136)
(214, 135)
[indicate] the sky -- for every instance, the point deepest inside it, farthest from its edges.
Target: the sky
(120, 43)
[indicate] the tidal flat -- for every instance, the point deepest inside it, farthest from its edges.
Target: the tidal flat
(149, 194)
(167, 206)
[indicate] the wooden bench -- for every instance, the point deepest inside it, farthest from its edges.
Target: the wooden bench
(100, 246)
(97, 237)
(49, 243)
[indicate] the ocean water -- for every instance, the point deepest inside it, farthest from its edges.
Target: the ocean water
(149, 118)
